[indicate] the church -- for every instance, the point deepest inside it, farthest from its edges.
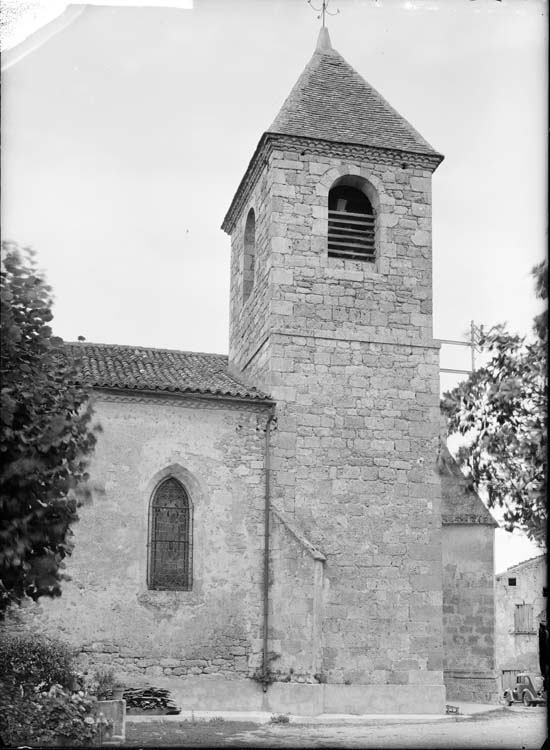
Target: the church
(283, 528)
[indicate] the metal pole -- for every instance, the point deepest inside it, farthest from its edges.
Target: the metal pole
(267, 510)
(473, 343)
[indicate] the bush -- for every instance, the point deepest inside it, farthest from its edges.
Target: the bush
(101, 684)
(38, 697)
(47, 715)
(29, 661)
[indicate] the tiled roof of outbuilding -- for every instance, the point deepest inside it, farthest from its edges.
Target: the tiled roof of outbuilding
(139, 368)
(531, 561)
(331, 101)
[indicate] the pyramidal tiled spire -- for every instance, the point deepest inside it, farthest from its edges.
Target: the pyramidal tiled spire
(331, 101)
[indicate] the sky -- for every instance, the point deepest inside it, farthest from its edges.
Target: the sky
(126, 131)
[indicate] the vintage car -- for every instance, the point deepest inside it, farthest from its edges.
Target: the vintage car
(527, 690)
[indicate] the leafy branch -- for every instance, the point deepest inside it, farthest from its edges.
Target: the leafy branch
(501, 411)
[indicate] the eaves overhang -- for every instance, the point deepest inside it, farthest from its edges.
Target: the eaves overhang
(188, 395)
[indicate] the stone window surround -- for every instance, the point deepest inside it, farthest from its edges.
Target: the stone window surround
(156, 568)
(361, 183)
(380, 201)
(193, 491)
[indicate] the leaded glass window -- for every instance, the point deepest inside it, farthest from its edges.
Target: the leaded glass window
(170, 537)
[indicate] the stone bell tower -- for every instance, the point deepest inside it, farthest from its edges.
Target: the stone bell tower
(331, 313)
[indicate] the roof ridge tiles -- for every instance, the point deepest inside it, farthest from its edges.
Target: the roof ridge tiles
(145, 348)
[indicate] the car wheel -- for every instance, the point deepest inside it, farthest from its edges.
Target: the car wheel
(526, 699)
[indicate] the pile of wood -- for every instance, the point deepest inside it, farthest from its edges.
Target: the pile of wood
(149, 699)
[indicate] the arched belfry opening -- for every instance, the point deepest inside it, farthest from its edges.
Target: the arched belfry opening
(351, 220)
(249, 254)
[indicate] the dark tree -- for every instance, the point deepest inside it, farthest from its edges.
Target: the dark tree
(501, 409)
(45, 436)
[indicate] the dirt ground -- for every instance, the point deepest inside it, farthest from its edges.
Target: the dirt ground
(516, 728)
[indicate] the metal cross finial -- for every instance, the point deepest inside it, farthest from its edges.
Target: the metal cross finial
(323, 10)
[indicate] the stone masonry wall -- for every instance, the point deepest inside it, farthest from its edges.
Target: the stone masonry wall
(248, 320)
(106, 610)
(347, 352)
(353, 465)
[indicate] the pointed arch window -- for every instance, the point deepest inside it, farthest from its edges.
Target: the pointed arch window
(351, 221)
(170, 538)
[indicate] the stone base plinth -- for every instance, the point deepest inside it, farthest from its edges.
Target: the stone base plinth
(219, 694)
(474, 687)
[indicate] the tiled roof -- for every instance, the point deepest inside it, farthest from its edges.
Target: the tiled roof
(331, 101)
(460, 502)
(536, 560)
(139, 368)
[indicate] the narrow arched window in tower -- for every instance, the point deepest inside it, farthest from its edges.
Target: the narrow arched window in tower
(351, 222)
(170, 537)
(249, 254)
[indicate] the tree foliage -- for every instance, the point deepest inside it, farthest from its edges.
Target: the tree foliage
(501, 409)
(45, 436)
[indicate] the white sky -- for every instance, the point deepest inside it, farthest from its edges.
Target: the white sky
(126, 133)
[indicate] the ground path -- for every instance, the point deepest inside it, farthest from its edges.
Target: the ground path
(517, 728)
